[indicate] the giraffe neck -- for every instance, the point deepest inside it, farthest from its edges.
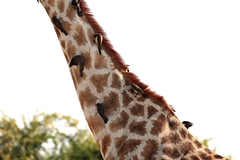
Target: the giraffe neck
(131, 121)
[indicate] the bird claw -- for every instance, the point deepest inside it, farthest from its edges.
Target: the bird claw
(58, 24)
(98, 39)
(137, 89)
(76, 5)
(79, 59)
(172, 108)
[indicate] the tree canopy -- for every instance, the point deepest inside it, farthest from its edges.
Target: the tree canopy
(46, 136)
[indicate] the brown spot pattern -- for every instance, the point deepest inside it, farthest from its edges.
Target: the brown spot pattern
(138, 127)
(95, 123)
(99, 81)
(90, 36)
(51, 3)
(116, 83)
(121, 157)
(54, 14)
(137, 110)
(189, 136)
(66, 25)
(111, 103)
(106, 141)
(61, 6)
(135, 158)
(183, 133)
(150, 150)
(126, 146)
(76, 71)
(84, 20)
(172, 138)
(71, 12)
(47, 9)
(194, 157)
(88, 59)
(71, 51)
(126, 99)
(171, 152)
(58, 32)
(80, 36)
(87, 97)
(100, 61)
(63, 44)
(204, 156)
(159, 125)
(151, 111)
(140, 98)
(186, 148)
(119, 122)
(172, 125)
(198, 144)
(110, 157)
(208, 150)
(217, 156)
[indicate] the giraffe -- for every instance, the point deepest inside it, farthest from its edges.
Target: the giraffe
(127, 119)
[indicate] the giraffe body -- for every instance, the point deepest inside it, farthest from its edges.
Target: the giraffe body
(138, 127)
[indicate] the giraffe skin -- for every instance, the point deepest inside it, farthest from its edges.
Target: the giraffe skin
(138, 127)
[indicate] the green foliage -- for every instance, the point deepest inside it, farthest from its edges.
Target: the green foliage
(205, 143)
(42, 138)
(82, 146)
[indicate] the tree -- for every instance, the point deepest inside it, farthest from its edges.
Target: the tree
(205, 142)
(82, 146)
(45, 137)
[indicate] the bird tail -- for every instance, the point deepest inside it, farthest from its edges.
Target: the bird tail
(105, 119)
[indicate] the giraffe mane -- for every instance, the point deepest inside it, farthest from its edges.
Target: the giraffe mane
(119, 62)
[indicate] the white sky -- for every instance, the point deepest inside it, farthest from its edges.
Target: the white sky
(187, 51)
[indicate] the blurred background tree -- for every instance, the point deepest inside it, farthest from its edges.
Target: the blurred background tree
(49, 137)
(46, 136)
(205, 142)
